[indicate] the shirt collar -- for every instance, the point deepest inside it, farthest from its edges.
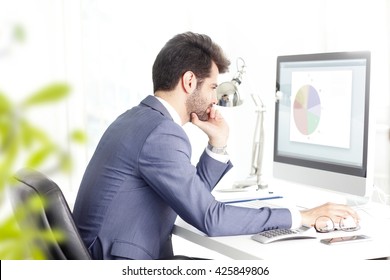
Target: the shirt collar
(175, 116)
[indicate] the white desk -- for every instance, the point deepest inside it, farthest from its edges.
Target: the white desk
(375, 222)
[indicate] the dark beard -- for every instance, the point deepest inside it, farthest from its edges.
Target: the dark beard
(198, 106)
(203, 116)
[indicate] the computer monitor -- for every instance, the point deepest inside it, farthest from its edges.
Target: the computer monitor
(321, 136)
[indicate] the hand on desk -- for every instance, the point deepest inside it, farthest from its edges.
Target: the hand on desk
(334, 211)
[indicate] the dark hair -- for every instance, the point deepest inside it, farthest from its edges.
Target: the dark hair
(187, 52)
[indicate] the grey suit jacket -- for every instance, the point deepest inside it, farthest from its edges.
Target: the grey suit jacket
(140, 177)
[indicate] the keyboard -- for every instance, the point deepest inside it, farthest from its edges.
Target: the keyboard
(273, 235)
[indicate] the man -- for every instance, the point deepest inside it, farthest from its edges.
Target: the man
(141, 177)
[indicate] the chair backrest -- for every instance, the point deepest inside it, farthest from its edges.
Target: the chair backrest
(55, 214)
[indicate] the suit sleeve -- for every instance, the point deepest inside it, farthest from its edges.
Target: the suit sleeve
(165, 164)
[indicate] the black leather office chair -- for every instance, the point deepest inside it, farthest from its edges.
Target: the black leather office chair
(56, 214)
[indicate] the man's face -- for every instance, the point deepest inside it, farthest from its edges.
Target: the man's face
(203, 98)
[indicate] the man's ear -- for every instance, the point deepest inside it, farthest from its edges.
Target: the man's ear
(189, 82)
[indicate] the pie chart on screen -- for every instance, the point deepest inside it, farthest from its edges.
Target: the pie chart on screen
(307, 109)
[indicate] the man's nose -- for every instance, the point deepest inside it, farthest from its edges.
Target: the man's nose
(214, 98)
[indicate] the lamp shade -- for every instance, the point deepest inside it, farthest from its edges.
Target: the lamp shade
(227, 92)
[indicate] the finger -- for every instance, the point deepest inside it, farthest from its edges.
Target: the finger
(344, 211)
(194, 118)
(354, 215)
(213, 112)
(218, 115)
(348, 211)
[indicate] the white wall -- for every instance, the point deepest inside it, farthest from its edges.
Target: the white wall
(105, 49)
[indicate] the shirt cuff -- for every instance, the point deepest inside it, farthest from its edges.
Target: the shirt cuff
(296, 218)
(219, 157)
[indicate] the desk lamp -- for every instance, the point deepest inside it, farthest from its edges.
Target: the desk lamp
(229, 96)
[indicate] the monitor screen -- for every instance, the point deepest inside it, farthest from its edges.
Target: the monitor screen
(322, 120)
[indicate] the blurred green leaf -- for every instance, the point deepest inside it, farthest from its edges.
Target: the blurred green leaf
(66, 163)
(35, 204)
(39, 156)
(17, 244)
(7, 160)
(19, 33)
(5, 132)
(26, 134)
(49, 94)
(36, 133)
(78, 136)
(5, 104)
(21, 141)
(30, 135)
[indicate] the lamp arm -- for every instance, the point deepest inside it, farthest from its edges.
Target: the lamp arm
(258, 143)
